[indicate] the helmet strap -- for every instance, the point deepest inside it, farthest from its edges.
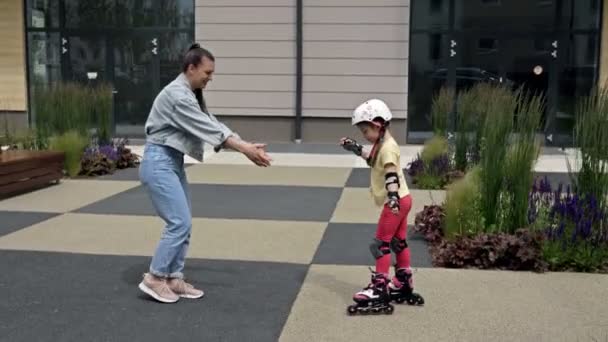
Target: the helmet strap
(371, 160)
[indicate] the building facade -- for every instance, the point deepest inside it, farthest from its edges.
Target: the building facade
(294, 69)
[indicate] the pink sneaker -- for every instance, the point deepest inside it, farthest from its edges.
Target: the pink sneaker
(158, 289)
(183, 289)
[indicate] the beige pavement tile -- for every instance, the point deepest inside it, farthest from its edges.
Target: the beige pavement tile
(461, 305)
(356, 205)
(289, 159)
(275, 175)
(280, 241)
(66, 196)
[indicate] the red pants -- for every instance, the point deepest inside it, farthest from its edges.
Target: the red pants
(389, 226)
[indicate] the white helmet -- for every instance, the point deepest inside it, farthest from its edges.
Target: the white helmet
(371, 109)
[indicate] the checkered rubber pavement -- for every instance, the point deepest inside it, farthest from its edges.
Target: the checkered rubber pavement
(279, 252)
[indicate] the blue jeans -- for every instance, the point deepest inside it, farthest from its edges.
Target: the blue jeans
(164, 178)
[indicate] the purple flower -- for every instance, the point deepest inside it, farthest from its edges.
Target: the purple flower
(109, 151)
(416, 167)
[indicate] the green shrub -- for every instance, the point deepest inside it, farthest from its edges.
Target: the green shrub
(442, 105)
(102, 111)
(465, 127)
(62, 107)
(591, 136)
(498, 124)
(434, 148)
(72, 144)
(463, 206)
(579, 257)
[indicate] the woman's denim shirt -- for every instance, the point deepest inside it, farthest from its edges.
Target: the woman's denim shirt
(177, 120)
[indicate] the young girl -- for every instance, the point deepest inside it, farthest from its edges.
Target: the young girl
(389, 190)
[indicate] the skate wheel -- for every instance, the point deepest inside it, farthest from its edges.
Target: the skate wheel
(364, 311)
(351, 310)
(415, 300)
(389, 309)
(400, 300)
(376, 310)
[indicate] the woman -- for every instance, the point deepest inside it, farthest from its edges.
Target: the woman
(179, 125)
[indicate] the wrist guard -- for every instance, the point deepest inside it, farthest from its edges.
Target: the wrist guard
(353, 146)
(391, 178)
(393, 200)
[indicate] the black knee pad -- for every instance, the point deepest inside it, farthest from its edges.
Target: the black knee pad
(398, 245)
(379, 248)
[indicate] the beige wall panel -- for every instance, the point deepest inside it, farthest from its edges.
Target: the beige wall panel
(341, 113)
(251, 3)
(391, 50)
(396, 102)
(355, 32)
(361, 3)
(356, 15)
(364, 84)
(280, 66)
(12, 57)
(363, 67)
(264, 32)
(249, 99)
(245, 15)
(251, 49)
(252, 82)
(253, 111)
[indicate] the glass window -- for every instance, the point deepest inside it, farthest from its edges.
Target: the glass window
(430, 14)
(134, 79)
(86, 55)
(44, 57)
(135, 13)
(581, 14)
(513, 14)
(576, 78)
(177, 13)
(172, 49)
(89, 13)
(477, 60)
(42, 13)
(428, 73)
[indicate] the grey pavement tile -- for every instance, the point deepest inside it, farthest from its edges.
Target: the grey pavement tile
(347, 244)
(234, 202)
(71, 297)
(12, 221)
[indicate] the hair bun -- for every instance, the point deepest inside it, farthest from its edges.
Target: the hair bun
(194, 46)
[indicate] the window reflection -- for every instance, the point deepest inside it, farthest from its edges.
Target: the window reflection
(44, 62)
(576, 79)
(135, 13)
(428, 73)
(42, 13)
(430, 14)
(89, 13)
(512, 14)
(177, 13)
(580, 14)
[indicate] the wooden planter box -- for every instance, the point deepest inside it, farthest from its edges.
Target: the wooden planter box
(21, 170)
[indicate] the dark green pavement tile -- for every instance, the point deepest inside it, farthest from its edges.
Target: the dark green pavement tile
(347, 244)
(12, 221)
(234, 202)
(71, 297)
